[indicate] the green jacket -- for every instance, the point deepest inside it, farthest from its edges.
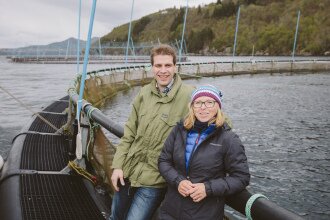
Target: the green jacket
(152, 118)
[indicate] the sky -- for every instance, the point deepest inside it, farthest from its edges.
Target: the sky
(40, 22)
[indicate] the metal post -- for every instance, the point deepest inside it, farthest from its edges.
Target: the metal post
(133, 48)
(100, 48)
(176, 43)
(185, 46)
(88, 45)
(236, 31)
(295, 36)
(67, 49)
(37, 52)
(129, 32)
(78, 38)
(184, 26)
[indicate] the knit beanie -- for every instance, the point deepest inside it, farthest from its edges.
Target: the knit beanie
(209, 91)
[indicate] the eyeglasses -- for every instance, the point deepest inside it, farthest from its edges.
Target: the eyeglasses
(208, 104)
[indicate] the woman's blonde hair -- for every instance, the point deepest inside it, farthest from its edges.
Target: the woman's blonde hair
(190, 119)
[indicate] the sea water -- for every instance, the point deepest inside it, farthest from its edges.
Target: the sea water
(283, 121)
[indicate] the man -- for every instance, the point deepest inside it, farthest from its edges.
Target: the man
(156, 109)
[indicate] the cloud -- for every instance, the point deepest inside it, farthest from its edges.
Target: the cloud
(30, 22)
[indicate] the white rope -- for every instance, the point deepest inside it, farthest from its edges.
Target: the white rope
(28, 108)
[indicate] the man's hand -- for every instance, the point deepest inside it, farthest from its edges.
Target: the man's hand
(117, 174)
(184, 187)
(197, 192)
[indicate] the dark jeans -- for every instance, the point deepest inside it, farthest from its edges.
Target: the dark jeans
(136, 203)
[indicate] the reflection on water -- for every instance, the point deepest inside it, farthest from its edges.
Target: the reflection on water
(284, 123)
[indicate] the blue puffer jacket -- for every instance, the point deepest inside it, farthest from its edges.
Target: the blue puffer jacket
(219, 162)
(194, 138)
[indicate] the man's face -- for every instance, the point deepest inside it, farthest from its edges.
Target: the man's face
(163, 70)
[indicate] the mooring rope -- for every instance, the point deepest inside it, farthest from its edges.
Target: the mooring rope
(28, 108)
(249, 204)
(82, 172)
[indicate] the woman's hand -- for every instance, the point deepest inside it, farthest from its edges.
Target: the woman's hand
(184, 187)
(197, 192)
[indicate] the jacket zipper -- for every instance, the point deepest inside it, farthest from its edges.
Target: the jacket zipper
(192, 153)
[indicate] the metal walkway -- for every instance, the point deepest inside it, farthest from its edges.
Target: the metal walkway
(38, 189)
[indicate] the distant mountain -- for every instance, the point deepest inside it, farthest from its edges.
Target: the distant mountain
(62, 48)
(266, 27)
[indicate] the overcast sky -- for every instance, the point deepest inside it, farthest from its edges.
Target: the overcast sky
(32, 22)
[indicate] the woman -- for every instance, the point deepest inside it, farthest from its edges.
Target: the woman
(202, 161)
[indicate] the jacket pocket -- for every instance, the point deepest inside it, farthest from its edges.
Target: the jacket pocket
(169, 119)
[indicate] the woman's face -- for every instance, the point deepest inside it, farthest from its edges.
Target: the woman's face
(205, 108)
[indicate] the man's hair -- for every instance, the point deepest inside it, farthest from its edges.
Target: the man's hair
(163, 49)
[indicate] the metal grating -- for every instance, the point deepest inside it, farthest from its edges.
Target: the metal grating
(57, 106)
(39, 125)
(56, 197)
(45, 152)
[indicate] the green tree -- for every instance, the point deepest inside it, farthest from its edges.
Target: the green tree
(140, 26)
(198, 40)
(199, 10)
(276, 40)
(226, 9)
(177, 20)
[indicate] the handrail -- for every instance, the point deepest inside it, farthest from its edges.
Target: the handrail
(252, 60)
(261, 208)
(98, 116)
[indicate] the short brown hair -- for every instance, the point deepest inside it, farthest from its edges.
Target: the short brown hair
(163, 49)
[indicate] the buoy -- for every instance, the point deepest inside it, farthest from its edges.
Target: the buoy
(1, 162)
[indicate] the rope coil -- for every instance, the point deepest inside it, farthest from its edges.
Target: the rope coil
(249, 204)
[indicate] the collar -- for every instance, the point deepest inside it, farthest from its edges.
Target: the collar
(174, 90)
(167, 88)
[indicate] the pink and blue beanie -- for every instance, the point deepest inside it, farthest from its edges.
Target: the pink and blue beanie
(209, 91)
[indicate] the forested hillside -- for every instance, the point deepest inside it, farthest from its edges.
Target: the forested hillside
(266, 27)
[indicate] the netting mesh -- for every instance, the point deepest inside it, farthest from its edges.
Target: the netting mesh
(101, 155)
